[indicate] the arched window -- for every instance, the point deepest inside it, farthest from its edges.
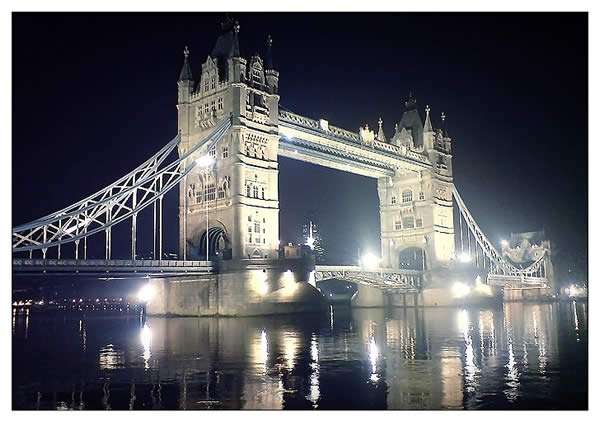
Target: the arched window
(406, 196)
(393, 200)
(255, 191)
(248, 194)
(225, 152)
(212, 83)
(257, 227)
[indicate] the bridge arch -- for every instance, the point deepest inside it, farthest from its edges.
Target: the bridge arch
(219, 243)
(412, 257)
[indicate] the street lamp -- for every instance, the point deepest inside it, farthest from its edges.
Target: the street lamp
(504, 243)
(206, 161)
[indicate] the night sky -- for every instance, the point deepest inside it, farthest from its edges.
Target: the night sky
(94, 95)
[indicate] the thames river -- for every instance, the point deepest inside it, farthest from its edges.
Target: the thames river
(519, 356)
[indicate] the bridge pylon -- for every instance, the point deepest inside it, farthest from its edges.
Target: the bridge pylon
(416, 206)
(235, 199)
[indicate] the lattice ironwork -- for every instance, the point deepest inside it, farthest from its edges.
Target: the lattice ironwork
(499, 265)
(120, 201)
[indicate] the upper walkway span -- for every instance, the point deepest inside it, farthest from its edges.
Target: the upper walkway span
(319, 143)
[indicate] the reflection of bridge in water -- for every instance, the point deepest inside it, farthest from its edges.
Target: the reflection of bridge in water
(400, 359)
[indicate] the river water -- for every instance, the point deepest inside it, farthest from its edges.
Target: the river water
(519, 355)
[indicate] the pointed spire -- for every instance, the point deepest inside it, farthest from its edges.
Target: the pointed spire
(444, 130)
(186, 70)
(380, 134)
(427, 126)
(268, 56)
(235, 45)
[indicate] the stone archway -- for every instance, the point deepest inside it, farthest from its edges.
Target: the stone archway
(414, 258)
(218, 244)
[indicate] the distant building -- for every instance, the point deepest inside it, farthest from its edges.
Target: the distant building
(311, 236)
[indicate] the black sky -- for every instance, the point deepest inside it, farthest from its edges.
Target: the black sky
(95, 94)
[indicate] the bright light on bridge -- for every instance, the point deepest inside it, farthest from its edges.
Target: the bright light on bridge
(146, 293)
(504, 243)
(465, 258)
(369, 260)
(460, 290)
(205, 161)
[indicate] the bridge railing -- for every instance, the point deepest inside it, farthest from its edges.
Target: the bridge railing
(109, 263)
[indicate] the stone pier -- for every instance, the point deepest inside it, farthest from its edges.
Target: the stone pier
(240, 288)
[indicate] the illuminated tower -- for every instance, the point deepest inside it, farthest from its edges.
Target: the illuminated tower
(240, 189)
(416, 206)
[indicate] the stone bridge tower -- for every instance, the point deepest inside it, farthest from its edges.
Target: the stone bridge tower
(240, 189)
(416, 207)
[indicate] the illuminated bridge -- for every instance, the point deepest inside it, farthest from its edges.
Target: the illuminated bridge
(224, 164)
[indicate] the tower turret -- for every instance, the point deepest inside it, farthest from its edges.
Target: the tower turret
(380, 134)
(428, 133)
(271, 74)
(185, 83)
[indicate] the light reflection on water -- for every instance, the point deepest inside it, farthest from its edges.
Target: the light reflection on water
(515, 356)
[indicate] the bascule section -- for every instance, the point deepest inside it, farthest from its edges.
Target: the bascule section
(416, 207)
(234, 195)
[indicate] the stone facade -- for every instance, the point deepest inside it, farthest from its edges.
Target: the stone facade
(416, 206)
(242, 186)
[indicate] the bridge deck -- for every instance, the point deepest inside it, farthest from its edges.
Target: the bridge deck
(93, 266)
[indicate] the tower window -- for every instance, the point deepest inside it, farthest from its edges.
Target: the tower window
(397, 225)
(213, 83)
(206, 108)
(393, 200)
(263, 192)
(198, 195)
(225, 152)
(257, 227)
(213, 106)
(409, 222)
(206, 85)
(220, 193)
(407, 196)
(419, 222)
(248, 190)
(255, 191)
(249, 228)
(212, 152)
(421, 196)
(249, 218)
(220, 104)
(209, 193)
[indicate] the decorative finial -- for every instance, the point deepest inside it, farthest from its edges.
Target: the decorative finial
(411, 102)
(366, 127)
(269, 41)
(236, 27)
(427, 109)
(380, 122)
(443, 116)
(186, 52)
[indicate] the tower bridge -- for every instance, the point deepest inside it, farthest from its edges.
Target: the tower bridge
(231, 131)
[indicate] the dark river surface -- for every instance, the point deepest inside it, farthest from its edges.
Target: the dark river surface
(516, 356)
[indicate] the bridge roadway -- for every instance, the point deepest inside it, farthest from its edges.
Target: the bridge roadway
(378, 277)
